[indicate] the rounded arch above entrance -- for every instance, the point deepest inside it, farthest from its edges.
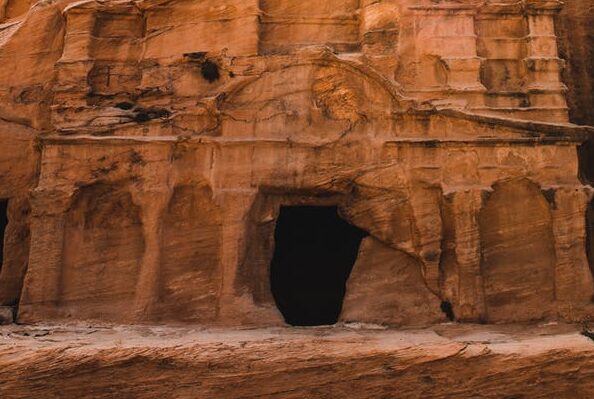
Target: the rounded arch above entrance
(321, 98)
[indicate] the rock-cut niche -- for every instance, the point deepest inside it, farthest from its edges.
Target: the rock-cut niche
(103, 248)
(315, 251)
(517, 253)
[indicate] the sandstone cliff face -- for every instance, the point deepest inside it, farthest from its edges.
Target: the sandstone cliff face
(152, 145)
(576, 35)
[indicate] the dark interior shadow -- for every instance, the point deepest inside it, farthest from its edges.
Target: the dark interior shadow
(315, 251)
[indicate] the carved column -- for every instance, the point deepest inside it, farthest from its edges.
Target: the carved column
(461, 278)
(236, 205)
(543, 65)
(428, 232)
(152, 204)
(41, 289)
(574, 284)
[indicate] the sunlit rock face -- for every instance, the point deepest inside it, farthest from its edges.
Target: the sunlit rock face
(149, 148)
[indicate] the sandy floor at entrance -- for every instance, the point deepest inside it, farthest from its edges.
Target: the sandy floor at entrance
(453, 361)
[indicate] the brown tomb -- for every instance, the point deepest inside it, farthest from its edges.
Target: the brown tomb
(263, 162)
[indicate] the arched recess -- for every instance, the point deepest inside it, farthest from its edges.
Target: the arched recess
(321, 98)
(518, 253)
(103, 249)
(190, 274)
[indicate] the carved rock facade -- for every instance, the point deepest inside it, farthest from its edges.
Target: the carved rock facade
(150, 146)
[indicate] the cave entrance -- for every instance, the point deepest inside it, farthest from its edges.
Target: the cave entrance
(3, 224)
(315, 251)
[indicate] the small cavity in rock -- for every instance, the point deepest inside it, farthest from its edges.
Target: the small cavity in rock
(446, 307)
(125, 106)
(210, 71)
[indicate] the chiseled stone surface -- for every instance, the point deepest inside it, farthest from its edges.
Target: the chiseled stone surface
(148, 146)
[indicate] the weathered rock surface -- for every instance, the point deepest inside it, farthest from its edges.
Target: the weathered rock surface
(405, 299)
(149, 146)
(576, 34)
(155, 362)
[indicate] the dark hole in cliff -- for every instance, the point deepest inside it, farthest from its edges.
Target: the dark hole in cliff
(448, 310)
(315, 251)
(210, 71)
(143, 115)
(124, 106)
(196, 55)
(590, 235)
(3, 224)
(586, 162)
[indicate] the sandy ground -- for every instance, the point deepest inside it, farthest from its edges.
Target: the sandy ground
(446, 361)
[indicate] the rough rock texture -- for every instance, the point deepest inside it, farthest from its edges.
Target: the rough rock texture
(443, 362)
(148, 147)
(405, 299)
(576, 39)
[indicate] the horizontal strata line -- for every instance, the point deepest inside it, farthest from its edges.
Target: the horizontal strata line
(522, 109)
(524, 94)
(447, 37)
(326, 21)
(86, 139)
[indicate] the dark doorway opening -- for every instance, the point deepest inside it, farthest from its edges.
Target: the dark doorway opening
(3, 224)
(586, 162)
(315, 251)
(590, 236)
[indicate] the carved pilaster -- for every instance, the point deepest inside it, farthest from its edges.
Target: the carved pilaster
(428, 232)
(41, 289)
(152, 204)
(461, 279)
(236, 205)
(543, 65)
(574, 286)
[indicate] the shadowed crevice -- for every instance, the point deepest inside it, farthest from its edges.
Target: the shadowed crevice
(590, 235)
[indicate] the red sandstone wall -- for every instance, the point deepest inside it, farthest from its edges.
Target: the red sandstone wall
(576, 32)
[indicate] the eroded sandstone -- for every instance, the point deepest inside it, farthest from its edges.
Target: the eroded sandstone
(150, 146)
(152, 150)
(155, 362)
